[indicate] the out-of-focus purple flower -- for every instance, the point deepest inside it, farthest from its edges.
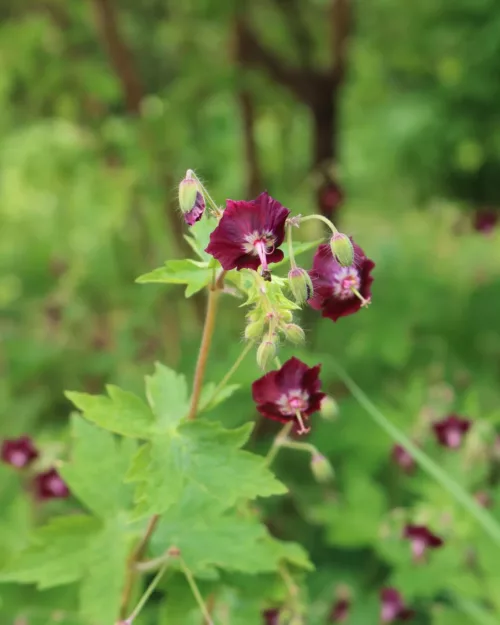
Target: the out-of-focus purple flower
(329, 197)
(340, 611)
(50, 485)
(291, 393)
(451, 430)
(421, 539)
(340, 291)
(485, 220)
(392, 607)
(249, 234)
(18, 452)
(271, 616)
(402, 457)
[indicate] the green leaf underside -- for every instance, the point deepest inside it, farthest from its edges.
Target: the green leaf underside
(167, 395)
(203, 457)
(98, 464)
(122, 412)
(194, 274)
(228, 542)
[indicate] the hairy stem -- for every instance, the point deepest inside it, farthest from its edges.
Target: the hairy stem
(289, 241)
(229, 374)
(206, 340)
(277, 443)
(135, 556)
(148, 592)
(325, 220)
(196, 592)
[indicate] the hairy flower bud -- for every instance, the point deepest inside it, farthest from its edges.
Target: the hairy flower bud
(342, 249)
(321, 468)
(294, 333)
(266, 352)
(191, 201)
(300, 284)
(329, 409)
(255, 329)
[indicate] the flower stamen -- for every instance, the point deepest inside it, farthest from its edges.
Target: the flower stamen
(302, 429)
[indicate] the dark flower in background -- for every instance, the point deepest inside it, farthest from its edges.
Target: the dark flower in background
(18, 452)
(403, 458)
(249, 234)
(340, 611)
(340, 291)
(271, 617)
(50, 485)
(392, 607)
(483, 499)
(421, 539)
(485, 220)
(291, 393)
(329, 197)
(451, 430)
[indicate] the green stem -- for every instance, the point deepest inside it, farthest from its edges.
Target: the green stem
(206, 193)
(300, 446)
(148, 592)
(275, 447)
(196, 592)
(321, 218)
(291, 255)
(228, 375)
(491, 527)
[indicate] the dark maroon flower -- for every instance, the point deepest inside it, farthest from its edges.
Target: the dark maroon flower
(403, 458)
(249, 234)
(49, 485)
(451, 430)
(291, 393)
(18, 452)
(196, 213)
(330, 197)
(392, 607)
(340, 291)
(340, 611)
(191, 200)
(485, 220)
(421, 540)
(271, 616)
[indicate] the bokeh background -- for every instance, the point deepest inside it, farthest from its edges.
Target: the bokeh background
(104, 104)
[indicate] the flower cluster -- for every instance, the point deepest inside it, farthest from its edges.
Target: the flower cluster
(248, 237)
(21, 453)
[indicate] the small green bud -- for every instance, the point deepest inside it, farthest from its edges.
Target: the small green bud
(191, 200)
(300, 284)
(266, 352)
(286, 316)
(321, 468)
(255, 329)
(188, 190)
(294, 333)
(329, 409)
(342, 249)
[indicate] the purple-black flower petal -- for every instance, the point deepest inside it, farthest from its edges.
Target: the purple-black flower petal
(18, 452)
(50, 485)
(451, 430)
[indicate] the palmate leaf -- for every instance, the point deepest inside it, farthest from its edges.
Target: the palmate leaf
(229, 542)
(57, 555)
(195, 274)
(205, 456)
(98, 464)
(167, 395)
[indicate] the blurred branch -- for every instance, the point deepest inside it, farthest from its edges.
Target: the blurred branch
(119, 54)
(252, 53)
(254, 174)
(298, 29)
(341, 29)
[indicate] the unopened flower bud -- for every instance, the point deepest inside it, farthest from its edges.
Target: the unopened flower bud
(191, 201)
(294, 333)
(321, 468)
(329, 409)
(342, 249)
(300, 284)
(254, 330)
(266, 352)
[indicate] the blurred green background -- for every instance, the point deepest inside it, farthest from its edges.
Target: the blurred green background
(104, 104)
